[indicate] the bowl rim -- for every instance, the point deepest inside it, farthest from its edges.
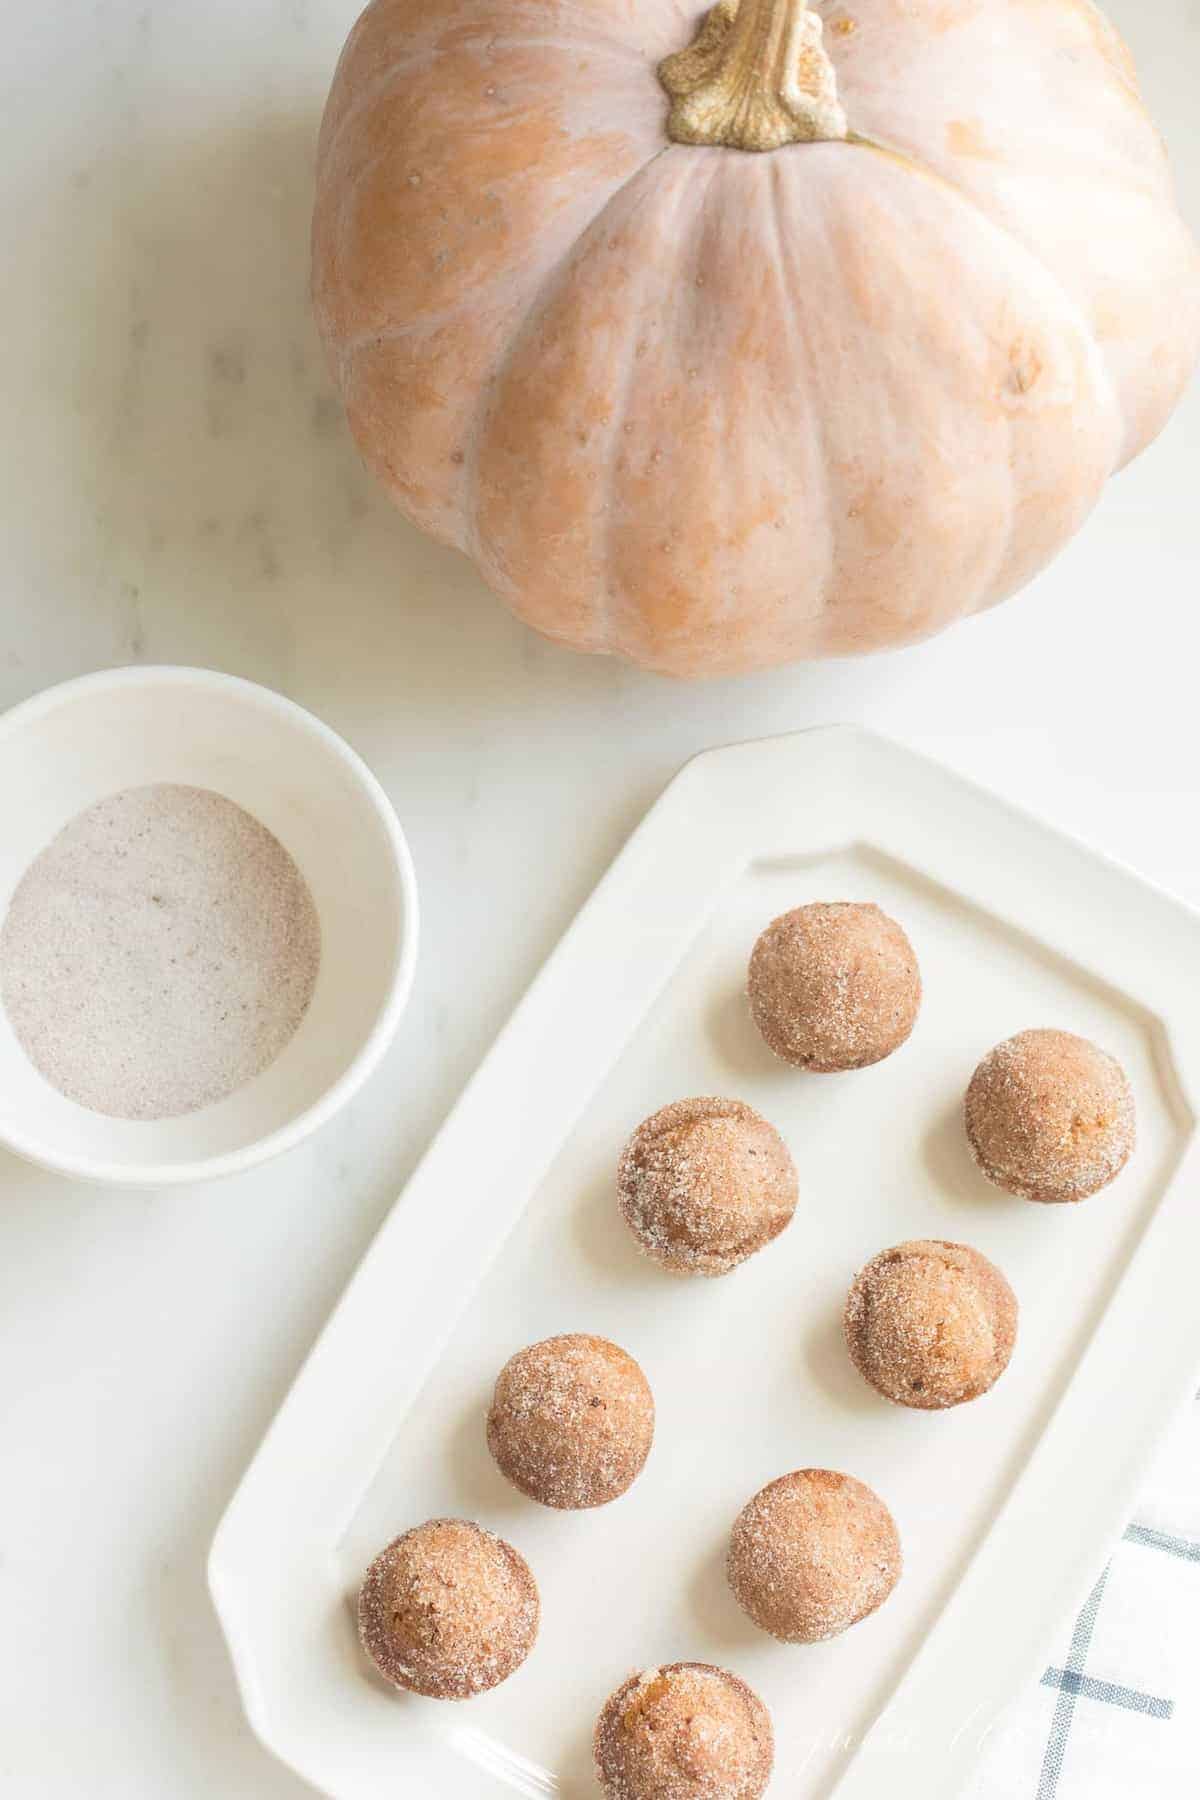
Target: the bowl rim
(404, 961)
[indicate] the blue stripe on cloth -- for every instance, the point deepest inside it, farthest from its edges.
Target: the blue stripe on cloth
(1159, 1540)
(1068, 1682)
(1064, 1711)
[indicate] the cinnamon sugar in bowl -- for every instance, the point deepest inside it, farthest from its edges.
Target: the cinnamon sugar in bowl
(208, 925)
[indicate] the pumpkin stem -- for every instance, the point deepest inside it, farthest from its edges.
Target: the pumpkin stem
(755, 77)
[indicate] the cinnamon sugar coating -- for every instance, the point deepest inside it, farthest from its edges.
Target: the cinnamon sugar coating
(448, 1610)
(686, 1731)
(811, 1554)
(705, 1183)
(930, 1324)
(834, 985)
(571, 1421)
(1050, 1116)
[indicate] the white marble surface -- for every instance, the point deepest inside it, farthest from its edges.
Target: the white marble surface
(176, 485)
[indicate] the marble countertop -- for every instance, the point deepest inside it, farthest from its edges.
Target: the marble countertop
(177, 485)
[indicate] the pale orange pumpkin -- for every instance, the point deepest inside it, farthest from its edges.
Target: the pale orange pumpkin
(719, 340)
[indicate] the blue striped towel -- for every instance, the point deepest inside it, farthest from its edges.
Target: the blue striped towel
(1117, 1711)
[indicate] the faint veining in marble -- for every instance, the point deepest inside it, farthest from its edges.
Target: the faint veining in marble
(225, 380)
(255, 531)
(130, 401)
(134, 637)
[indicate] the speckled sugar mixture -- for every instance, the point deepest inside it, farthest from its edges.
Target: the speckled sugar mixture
(159, 953)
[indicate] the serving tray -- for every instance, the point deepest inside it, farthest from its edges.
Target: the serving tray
(509, 1232)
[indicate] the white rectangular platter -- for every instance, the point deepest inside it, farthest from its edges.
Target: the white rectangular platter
(509, 1232)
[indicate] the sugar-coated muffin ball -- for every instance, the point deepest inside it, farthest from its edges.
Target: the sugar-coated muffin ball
(1050, 1116)
(813, 1553)
(834, 985)
(448, 1610)
(930, 1324)
(705, 1183)
(571, 1421)
(687, 1731)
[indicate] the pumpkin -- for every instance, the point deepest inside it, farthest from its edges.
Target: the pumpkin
(723, 338)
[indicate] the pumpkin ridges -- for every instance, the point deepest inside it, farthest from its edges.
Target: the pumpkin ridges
(956, 453)
(869, 532)
(625, 629)
(335, 122)
(477, 208)
(411, 353)
(531, 311)
(646, 620)
(470, 114)
(1034, 529)
(391, 35)
(598, 636)
(986, 531)
(1058, 122)
(376, 92)
(1148, 333)
(575, 561)
(1148, 395)
(897, 575)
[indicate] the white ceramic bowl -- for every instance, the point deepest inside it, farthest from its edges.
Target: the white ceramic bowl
(73, 745)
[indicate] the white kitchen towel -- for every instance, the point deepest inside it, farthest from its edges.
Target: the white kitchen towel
(1117, 1711)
